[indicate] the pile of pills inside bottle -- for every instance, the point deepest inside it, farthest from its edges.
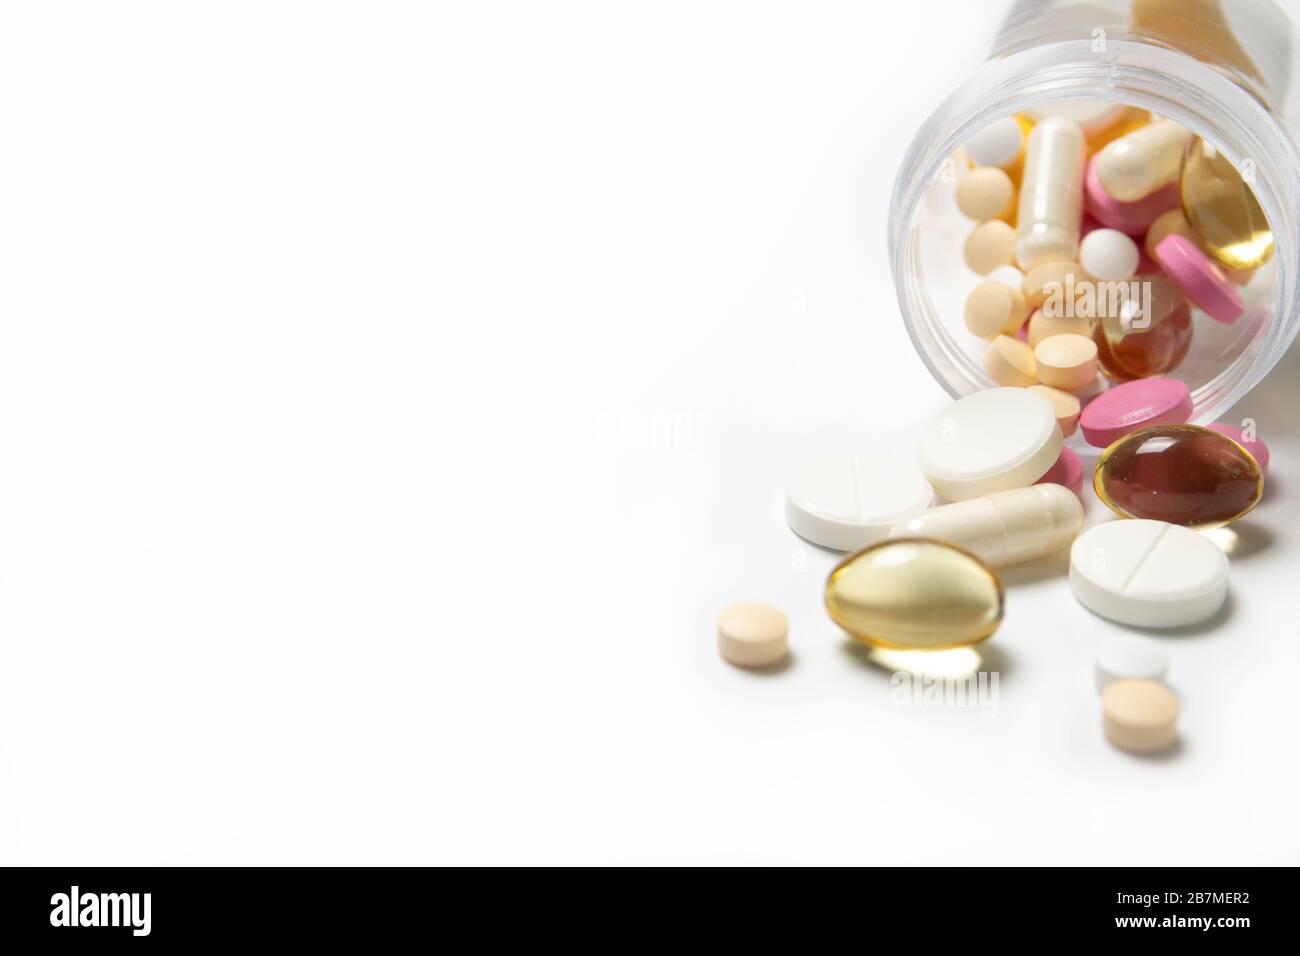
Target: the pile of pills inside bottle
(1102, 241)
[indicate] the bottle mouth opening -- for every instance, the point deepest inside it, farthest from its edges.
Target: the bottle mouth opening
(1133, 73)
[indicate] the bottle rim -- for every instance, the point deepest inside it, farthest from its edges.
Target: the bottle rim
(1136, 73)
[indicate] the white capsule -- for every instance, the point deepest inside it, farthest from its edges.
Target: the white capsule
(1139, 163)
(1051, 195)
(1003, 528)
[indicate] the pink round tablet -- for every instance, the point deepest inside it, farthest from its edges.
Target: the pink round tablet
(1199, 279)
(1126, 408)
(1134, 217)
(1257, 449)
(1067, 471)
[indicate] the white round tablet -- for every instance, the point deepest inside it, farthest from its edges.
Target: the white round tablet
(1128, 657)
(1109, 255)
(989, 441)
(997, 144)
(1148, 573)
(846, 502)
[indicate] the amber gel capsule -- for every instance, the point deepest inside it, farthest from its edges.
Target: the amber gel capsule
(1182, 474)
(915, 594)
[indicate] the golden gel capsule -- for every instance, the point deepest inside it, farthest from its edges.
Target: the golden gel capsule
(1051, 195)
(1222, 210)
(915, 594)
(1003, 528)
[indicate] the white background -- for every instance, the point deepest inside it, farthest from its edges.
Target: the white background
(392, 394)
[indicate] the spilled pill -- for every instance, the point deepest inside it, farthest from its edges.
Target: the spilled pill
(989, 441)
(1129, 657)
(1148, 573)
(845, 502)
(752, 635)
(1006, 527)
(915, 594)
(1140, 716)
(1183, 474)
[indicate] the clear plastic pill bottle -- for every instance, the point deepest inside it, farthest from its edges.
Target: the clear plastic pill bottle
(1222, 68)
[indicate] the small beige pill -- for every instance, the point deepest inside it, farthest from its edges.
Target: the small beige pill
(1055, 280)
(1043, 326)
(1168, 223)
(1066, 406)
(993, 308)
(985, 192)
(990, 244)
(1140, 716)
(1010, 362)
(752, 635)
(1066, 361)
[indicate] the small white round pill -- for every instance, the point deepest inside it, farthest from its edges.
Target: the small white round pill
(846, 502)
(1127, 657)
(752, 635)
(1109, 255)
(1148, 573)
(990, 245)
(997, 144)
(1140, 716)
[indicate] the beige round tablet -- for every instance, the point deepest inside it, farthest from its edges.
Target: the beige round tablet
(1140, 716)
(1066, 361)
(993, 308)
(990, 244)
(1066, 406)
(985, 192)
(752, 635)
(1055, 280)
(1010, 362)
(1044, 326)
(1171, 223)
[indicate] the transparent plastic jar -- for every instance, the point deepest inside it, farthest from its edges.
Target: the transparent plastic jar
(1223, 68)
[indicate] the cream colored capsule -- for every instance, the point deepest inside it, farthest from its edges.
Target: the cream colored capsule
(1043, 326)
(1010, 362)
(993, 308)
(1051, 194)
(1006, 527)
(1147, 159)
(990, 245)
(1066, 361)
(1066, 405)
(915, 594)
